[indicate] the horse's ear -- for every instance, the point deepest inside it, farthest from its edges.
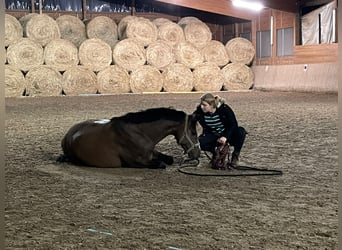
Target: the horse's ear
(194, 116)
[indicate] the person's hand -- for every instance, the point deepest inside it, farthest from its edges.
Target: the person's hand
(222, 140)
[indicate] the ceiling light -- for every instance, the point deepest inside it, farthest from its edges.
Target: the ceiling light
(248, 5)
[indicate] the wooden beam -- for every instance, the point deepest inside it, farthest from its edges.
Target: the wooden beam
(287, 6)
(314, 3)
(222, 7)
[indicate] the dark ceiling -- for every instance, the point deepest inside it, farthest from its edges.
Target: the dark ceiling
(294, 5)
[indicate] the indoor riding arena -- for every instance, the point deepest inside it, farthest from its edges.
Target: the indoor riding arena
(71, 61)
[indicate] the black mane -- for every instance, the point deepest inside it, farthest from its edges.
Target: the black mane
(151, 115)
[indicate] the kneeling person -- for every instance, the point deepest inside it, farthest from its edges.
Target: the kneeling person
(219, 126)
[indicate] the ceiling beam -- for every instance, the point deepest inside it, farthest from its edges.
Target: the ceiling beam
(310, 3)
(222, 7)
(287, 6)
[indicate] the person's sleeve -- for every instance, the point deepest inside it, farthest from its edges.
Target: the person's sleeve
(230, 122)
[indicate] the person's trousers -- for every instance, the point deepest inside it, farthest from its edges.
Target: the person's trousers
(208, 142)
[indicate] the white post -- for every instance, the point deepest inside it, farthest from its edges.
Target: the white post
(271, 35)
(334, 26)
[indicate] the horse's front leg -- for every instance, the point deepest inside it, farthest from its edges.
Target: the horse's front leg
(155, 159)
(162, 157)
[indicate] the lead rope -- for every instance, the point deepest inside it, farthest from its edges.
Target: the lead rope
(261, 171)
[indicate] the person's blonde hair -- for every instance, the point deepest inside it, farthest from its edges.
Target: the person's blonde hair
(214, 100)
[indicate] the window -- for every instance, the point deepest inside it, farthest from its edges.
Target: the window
(248, 36)
(263, 44)
(285, 42)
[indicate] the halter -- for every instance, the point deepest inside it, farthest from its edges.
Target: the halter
(186, 136)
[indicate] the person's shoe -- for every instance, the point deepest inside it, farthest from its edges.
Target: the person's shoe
(235, 161)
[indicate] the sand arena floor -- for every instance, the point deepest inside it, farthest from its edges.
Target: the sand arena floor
(61, 206)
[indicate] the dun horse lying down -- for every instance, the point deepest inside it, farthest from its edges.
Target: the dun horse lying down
(130, 140)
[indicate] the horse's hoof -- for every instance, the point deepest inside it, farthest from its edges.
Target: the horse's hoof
(168, 160)
(62, 158)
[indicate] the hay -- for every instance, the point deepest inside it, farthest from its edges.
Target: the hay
(113, 80)
(42, 29)
(141, 29)
(123, 25)
(208, 77)
(72, 29)
(177, 78)
(216, 53)
(60, 54)
(129, 54)
(160, 21)
(24, 19)
(197, 33)
(188, 54)
(95, 54)
(159, 55)
(146, 79)
(13, 30)
(25, 54)
(188, 19)
(43, 81)
(104, 28)
(79, 80)
(240, 50)
(171, 33)
(237, 76)
(15, 82)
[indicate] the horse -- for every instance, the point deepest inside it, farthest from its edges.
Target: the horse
(130, 140)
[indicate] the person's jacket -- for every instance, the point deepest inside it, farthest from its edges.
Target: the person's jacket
(227, 117)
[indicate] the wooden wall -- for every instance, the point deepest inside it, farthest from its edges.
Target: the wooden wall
(321, 53)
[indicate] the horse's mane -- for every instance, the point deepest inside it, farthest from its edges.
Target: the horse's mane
(151, 115)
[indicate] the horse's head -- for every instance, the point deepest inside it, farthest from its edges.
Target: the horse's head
(189, 139)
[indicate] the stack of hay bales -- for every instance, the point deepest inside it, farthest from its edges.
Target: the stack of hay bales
(47, 57)
(237, 74)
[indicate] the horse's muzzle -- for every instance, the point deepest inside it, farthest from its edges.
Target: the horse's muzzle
(195, 153)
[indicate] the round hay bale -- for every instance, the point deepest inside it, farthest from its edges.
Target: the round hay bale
(208, 77)
(25, 54)
(113, 80)
(142, 29)
(43, 81)
(237, 76)
(188, 19)
(72, 29)
(240, 50)
(197, 33)
(146, 78)
(160, 21)
(188, 54)
(159, 55)
(15, 82)
(123, 25)
(104, 28)
(42, 29)
(171, 33)
(177, 78)
(79, 80)
(13, 30)
(129, 54)
(60, 54)
(24, 19)
(95, 54)
(216, 53)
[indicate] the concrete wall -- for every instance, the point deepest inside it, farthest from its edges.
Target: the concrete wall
(298, 77)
